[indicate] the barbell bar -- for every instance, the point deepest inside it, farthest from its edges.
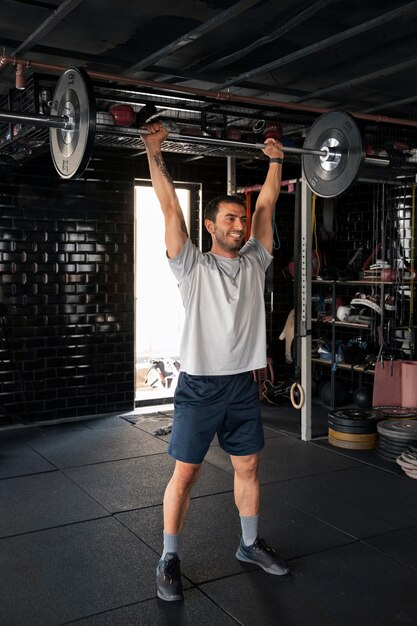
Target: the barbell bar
(43, 121)
(332, 154)
(236, 144)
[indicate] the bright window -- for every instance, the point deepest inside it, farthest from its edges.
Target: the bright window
(159, 309)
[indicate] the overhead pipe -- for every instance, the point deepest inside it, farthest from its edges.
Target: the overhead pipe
(204, 93)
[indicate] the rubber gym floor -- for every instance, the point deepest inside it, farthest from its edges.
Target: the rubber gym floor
(81, 528)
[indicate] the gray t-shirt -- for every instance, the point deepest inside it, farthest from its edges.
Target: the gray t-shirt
(224, 330)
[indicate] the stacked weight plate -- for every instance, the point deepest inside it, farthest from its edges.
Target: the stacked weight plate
(408, 461)
(353, 429)
(395, 436)
(395, 412)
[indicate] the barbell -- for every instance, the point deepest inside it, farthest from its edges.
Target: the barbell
(332, 154)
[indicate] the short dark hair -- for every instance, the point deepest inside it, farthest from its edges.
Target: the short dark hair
(212, 207)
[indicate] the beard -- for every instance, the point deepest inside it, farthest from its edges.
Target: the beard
(226, 242)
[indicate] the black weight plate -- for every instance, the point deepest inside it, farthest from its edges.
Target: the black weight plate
(71, 149)
(331, 177)
(390, 448)
(386, 457)
(388, 412)
(355, 421)
(397, 437)
(353, 414)
(400, 430)
(387, 453)
(355, 428)
(393, 443)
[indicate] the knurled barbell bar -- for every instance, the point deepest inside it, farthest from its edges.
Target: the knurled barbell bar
(332, 155)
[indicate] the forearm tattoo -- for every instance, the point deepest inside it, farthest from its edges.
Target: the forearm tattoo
(161, 165)
(159, 161)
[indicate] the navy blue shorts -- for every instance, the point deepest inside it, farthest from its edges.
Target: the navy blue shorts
(206, 405)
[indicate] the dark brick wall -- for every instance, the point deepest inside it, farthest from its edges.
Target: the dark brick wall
(66, 276)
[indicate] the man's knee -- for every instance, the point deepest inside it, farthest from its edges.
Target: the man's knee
(186, 474)
(246, 467)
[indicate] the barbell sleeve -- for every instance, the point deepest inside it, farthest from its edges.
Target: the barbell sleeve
(42, 121)
(377, 160)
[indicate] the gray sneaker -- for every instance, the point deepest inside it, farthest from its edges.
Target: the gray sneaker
(263, 555)
(168, 578)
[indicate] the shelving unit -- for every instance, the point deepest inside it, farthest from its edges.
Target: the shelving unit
(339, 323)
(345, 366)
(335, 326)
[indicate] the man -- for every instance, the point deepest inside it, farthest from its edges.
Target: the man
(224, 340)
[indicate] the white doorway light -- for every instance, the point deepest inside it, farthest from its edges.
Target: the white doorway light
(159, 309)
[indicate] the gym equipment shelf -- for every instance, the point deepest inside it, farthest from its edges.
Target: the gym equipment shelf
(335, 329)
(339, 323)
(352, 282)
(345, 366)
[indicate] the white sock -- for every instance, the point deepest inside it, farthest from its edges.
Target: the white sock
(172, 543)
(249, 528)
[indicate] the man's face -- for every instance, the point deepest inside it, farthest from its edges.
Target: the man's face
(228, 230)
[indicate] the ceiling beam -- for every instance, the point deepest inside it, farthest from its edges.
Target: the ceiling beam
(321, 45)
(165, 73)
(47, 25)
(73, 55)
(34, 3)
(191, 36)
(391, 105)
(275, 34)
(381, 73)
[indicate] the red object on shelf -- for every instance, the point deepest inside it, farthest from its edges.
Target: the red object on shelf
(123, 114)
(233, 133)
(273, 129)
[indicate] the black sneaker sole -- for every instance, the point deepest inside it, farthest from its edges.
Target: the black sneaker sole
(240, 557)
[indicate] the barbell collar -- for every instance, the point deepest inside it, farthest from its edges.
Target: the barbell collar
(41, 121)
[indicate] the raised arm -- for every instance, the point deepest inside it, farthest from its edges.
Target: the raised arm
(175, 228)
(265, 205)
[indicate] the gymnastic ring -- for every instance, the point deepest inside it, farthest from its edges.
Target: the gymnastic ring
(297, 386)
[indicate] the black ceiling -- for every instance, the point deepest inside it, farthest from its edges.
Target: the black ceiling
(353, 55)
